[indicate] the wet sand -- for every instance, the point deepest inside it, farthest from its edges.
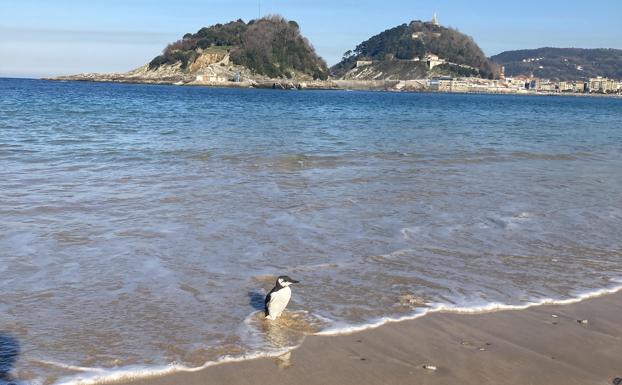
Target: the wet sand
(519, 347)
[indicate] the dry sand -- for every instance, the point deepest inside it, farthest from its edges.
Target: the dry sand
(521, 347)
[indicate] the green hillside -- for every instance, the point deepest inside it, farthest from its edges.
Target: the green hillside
(417, 39)
(271, 46)
(562, 63)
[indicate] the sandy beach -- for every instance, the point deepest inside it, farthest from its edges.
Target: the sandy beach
(540, 345)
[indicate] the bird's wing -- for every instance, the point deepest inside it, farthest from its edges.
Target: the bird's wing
(267, 300)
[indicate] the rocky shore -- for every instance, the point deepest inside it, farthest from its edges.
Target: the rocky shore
(177, 79)
(414, 85)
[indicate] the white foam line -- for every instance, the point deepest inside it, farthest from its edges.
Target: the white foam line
(100, 376)
(70, 367)
(487, 308)
(131, 373)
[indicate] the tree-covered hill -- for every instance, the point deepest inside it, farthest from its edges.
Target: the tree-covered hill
(562, 63)
(271, 46)
(407, 42)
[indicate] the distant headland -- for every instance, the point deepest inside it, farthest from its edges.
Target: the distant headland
(418, 56)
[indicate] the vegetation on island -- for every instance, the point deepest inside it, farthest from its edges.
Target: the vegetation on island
(273, 47)
(270, 46)
(562, 63)
(413, 41)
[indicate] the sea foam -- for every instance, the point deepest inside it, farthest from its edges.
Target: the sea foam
(474, 309)
(92, 376)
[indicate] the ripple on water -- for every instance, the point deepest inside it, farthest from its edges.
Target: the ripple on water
(129, 237)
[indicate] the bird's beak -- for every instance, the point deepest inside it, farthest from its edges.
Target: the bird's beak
(294, 281)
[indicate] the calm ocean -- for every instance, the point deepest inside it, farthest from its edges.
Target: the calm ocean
(140, 226)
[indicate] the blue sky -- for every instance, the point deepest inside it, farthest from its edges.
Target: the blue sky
(54, 37)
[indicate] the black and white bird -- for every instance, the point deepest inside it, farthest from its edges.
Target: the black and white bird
(278, 298)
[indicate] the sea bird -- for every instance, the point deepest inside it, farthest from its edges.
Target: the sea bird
(278, 298)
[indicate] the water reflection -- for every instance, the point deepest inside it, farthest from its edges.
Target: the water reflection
(256, 300)
(9, 352)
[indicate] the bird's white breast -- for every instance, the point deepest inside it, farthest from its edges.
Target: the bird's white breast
(278, 302)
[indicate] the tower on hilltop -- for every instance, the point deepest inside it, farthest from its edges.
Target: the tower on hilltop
(435, 19)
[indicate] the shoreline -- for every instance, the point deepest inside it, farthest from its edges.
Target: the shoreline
(327, 85)
(440, 346)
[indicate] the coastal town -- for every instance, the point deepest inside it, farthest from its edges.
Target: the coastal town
(525, 85)
(446, 72)
(519, 84)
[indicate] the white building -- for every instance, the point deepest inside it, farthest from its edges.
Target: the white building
(435, 20)
(433, 60)
(601, 84)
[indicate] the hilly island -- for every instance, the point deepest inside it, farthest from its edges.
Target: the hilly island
(254, 54)
(271, 52)
(413, 51)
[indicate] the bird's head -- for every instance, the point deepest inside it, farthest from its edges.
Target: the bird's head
(284, 281)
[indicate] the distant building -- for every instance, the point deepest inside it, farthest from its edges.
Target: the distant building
(435, 20)
(433, 60)
(516, 82)
(601, 84)
(566, 87)
(362, 63)
(211, 78)
(458, 85)
(439, 83)
(579, 86)
(444, 85)
(448, 84)
(547, 86)
(534, 84)
(433, 83)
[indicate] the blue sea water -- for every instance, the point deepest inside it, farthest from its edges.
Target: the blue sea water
(141, 225)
